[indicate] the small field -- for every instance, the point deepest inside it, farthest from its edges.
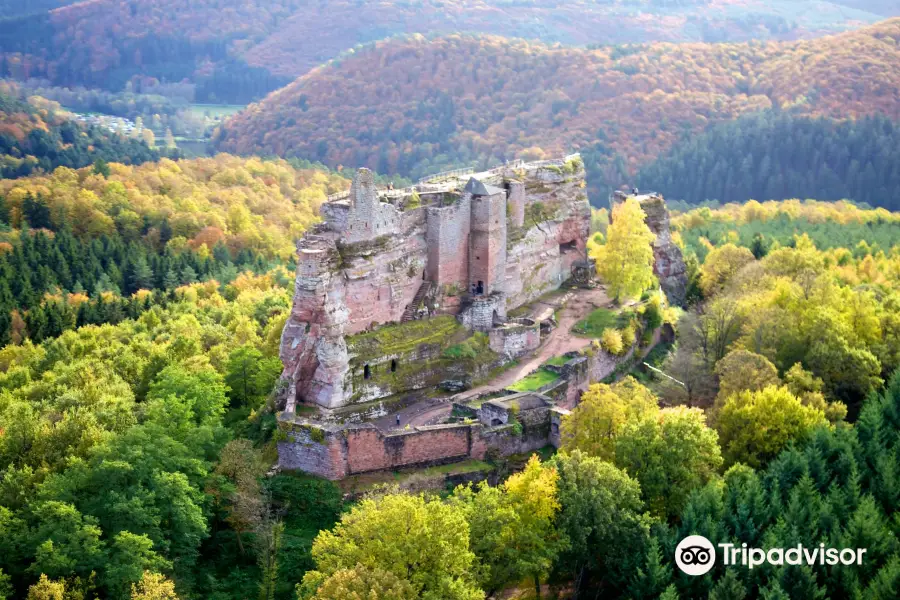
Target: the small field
(557, 361)
(215, 111)
(595, 323)
(535, 381)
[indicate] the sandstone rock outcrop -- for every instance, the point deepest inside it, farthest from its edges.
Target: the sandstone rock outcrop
(668, 265)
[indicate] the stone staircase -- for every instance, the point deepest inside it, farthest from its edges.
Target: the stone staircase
(413, 308)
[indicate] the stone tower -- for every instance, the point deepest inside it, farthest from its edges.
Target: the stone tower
(487, 241)
(369, 217)
(516, 203)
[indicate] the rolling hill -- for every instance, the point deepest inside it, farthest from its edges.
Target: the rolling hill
(415, 105)
(36, 134)
(237, 50)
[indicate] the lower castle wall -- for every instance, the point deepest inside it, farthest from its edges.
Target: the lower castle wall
(336, 453)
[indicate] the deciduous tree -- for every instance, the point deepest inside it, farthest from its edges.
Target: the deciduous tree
(625, 262)
(755, 426)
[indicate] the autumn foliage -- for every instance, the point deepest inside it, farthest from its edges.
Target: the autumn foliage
(415, 105)
(245, 203)
(105, 42)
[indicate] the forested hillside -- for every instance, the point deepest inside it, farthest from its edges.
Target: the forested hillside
(141, 310)
(102, 245)
(779, 156)
(38, 135)
(17, 8)
(415, 106)
(234, 51)
(136, 427)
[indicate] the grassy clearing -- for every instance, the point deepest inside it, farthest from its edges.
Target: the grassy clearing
(535, 381)
(403, 337)
(593, 325)
(215, 111)
(557, 361)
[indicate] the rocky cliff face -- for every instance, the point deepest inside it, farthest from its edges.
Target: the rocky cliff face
(669, 264)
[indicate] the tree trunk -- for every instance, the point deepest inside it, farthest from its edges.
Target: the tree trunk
(537, 587)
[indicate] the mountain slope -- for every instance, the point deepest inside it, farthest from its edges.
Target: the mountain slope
(779, 156)
(236, 50)
(414, 105)
(37, 134)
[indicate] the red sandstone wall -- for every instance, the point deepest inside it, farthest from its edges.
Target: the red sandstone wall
(370, 450)
(447, 234)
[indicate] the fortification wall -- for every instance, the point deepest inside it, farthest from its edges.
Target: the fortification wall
(368, 218)
(337, 452)
(518, 339)
(447, 238)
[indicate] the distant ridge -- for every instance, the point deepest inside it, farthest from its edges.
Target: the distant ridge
(415, 106)
(235, 50)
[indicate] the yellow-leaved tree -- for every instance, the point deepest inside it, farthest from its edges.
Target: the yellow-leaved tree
(625, 261)
(595, 423)
(153, 586)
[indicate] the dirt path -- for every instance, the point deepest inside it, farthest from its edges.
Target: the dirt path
(577, 304)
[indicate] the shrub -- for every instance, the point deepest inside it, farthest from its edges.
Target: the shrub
(653, 313)
(611, 340)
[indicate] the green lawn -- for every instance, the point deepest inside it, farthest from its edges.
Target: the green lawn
(596, 322)
(557, 361)
(535, 381)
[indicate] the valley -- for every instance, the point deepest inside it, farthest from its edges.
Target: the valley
(449, 300)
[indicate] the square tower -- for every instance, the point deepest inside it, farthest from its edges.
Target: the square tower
(487, 241)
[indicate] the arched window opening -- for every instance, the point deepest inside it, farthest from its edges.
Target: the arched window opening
(393, 365)
(367, 372)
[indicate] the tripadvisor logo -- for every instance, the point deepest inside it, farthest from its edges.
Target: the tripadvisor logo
(696, 555)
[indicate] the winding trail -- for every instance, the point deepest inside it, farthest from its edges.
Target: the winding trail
(570, 308)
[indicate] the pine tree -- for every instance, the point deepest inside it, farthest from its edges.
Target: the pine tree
(171, 281)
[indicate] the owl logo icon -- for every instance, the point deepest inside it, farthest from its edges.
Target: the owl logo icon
(695, 555)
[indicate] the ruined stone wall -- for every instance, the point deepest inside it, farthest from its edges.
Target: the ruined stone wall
(506, 441)
(513, 341)
(368, 218)
(324, 455)
(447, 238)
(482, 312)
(336, 454)
(516, 203)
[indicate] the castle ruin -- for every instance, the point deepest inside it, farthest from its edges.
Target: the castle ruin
(399, 291)
(468, 246)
